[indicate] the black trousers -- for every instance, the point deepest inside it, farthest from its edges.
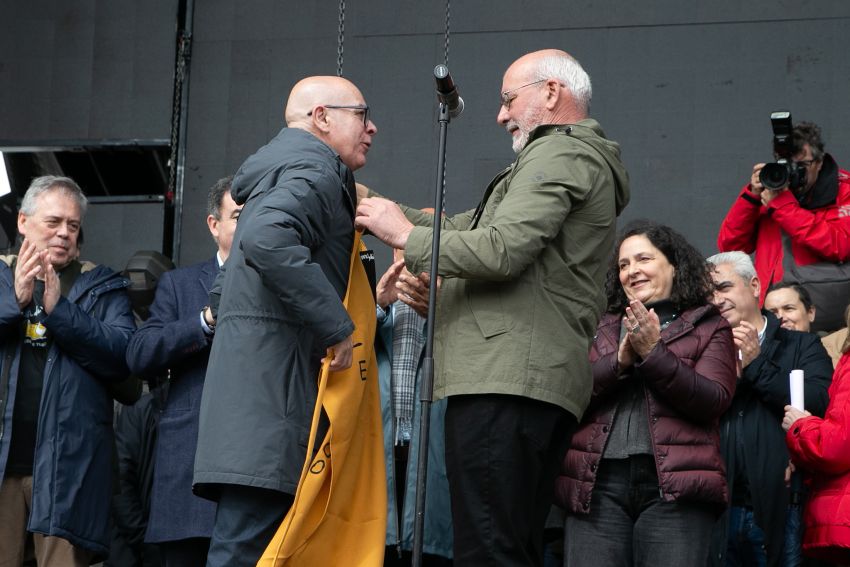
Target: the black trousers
(246, 519)
(190, 552)
(502, 456)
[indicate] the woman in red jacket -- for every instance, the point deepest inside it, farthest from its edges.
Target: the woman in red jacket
(821, 447)
(643, 480)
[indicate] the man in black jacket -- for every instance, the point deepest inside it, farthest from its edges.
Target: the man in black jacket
(762, 525)
(281, 311)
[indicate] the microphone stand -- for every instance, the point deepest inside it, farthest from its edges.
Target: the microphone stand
(426, 388)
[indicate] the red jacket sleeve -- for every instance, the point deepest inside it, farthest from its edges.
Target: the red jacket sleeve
(738, 229)
(823, 445)
(825, 231)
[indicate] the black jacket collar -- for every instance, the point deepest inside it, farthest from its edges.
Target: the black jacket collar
(825, 190)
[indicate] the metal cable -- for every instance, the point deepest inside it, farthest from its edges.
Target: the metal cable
(179, 77)
(446, 63)
(448, 20)
(340, 40)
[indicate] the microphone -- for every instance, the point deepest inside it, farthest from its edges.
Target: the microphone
(447, 91)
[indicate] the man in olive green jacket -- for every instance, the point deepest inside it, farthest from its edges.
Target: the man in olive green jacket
(520, 299)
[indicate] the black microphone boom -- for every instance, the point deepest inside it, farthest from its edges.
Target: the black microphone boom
(447, 91)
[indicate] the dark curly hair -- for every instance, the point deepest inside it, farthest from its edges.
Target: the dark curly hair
(692, 282)
(808, 133)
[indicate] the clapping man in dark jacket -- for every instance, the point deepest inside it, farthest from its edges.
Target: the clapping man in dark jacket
(176, 339)
(64, 326)
(756, 530)
(281, 311)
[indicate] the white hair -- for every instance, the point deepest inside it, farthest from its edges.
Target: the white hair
(569, 71)
(740, 262)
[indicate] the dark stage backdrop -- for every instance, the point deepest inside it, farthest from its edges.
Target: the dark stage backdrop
(89, 70)
(686, 88)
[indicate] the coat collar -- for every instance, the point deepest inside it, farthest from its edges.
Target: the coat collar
(771, 330)
(825, 190)
(209, 270)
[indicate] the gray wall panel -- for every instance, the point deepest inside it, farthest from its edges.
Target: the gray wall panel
(686, 88)
(114, 232)
(86, 69)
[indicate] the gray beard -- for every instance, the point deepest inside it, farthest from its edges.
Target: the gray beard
(519, 142)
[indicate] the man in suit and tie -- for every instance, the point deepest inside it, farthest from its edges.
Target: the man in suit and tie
(176, 339)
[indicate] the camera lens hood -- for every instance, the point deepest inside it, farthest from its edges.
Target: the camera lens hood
(775, 176)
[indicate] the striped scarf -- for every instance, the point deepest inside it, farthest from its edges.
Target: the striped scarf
(408, 340)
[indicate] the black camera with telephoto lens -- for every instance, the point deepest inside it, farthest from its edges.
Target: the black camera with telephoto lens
(784, 172)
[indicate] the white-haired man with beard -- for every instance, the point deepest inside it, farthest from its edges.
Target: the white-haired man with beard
(524, 278)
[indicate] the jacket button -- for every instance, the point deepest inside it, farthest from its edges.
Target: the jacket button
(593, 468)
(585, 506)
(741, 413)
(654, 420)
(604, 429)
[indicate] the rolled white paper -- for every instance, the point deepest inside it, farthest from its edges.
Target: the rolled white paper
(797, 396)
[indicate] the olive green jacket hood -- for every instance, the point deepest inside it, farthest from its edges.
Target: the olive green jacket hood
(590, 132)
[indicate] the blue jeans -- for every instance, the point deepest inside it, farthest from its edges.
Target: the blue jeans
(745, 542)
(630, 524)
(792, 553)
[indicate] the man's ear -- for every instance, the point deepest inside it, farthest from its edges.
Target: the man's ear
(212, 224)
(22, 221)
(554, 93)
(755, 284)
(320, 119)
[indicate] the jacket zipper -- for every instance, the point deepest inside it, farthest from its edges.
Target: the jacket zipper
(652, 440)
(4, 390)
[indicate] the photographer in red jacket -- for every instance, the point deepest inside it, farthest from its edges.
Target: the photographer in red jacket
(815, 217)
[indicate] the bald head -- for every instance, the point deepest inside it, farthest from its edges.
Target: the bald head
(315, 91)
(332, 109)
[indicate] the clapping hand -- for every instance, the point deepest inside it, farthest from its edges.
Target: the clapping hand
(643, 326)
(29, 267)
(746, 338)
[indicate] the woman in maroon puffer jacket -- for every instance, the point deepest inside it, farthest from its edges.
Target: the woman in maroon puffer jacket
(643, 480)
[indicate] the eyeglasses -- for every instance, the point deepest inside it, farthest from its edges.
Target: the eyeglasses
(508, 97)
(357, 109)
(806, 162)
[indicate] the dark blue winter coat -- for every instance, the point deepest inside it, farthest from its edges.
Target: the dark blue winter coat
(72, 471)
(173, 340)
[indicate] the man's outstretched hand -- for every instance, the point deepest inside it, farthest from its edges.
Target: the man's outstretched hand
(384, 220)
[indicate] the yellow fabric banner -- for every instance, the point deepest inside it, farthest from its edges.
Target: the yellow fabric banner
(339, 514)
